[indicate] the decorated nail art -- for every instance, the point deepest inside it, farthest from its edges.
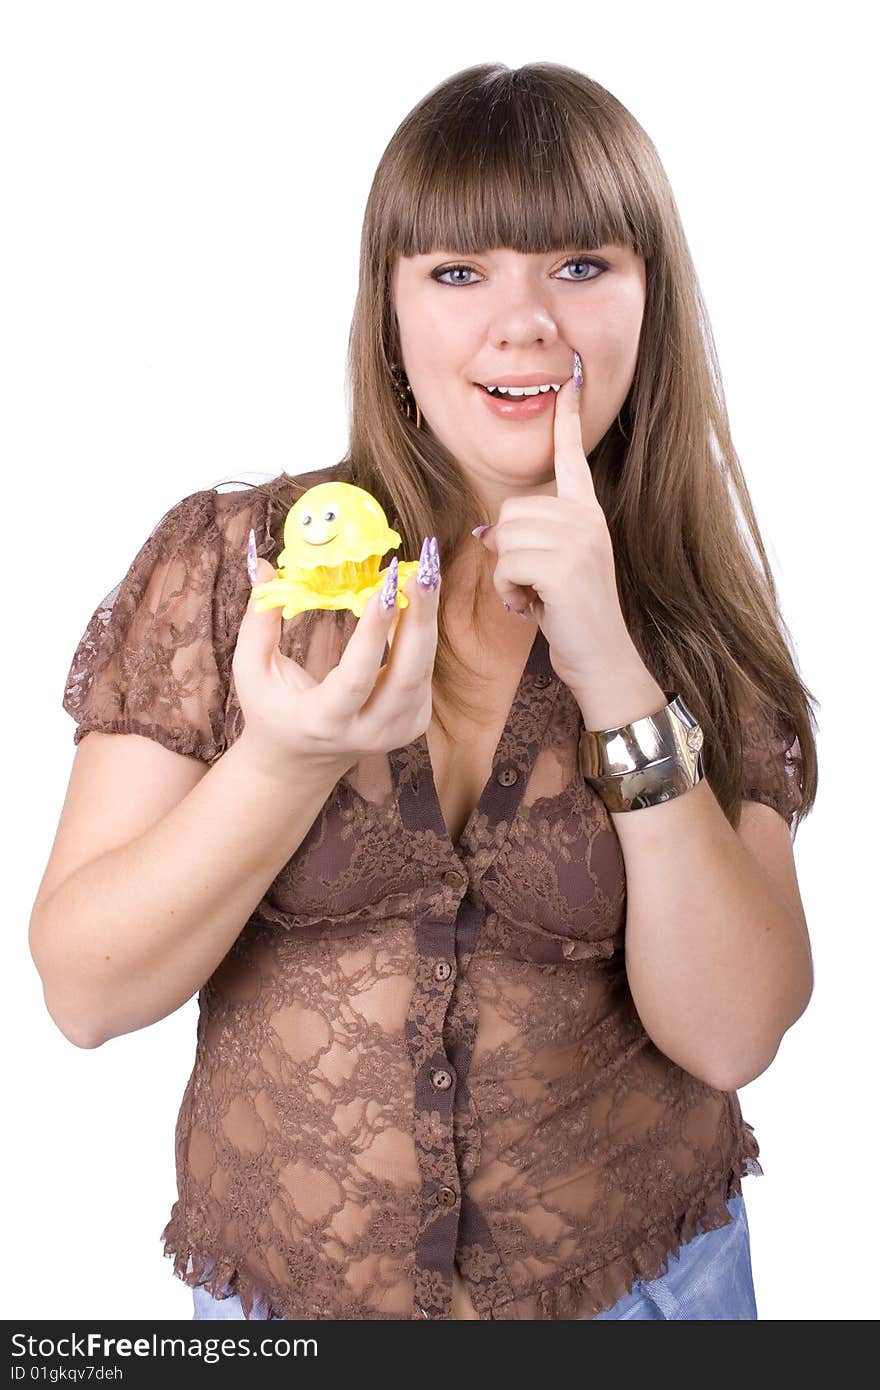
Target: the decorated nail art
(578, 372)
(428, 576)
(388, 596)
(252, 557)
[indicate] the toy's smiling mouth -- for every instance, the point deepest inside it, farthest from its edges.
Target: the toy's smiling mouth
(318, 543)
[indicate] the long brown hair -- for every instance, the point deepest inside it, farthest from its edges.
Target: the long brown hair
(536, 158)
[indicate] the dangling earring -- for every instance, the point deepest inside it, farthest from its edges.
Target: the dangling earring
(404, 391)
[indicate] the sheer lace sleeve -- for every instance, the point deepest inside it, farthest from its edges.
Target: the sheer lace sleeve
(152, 660)
(772, 765)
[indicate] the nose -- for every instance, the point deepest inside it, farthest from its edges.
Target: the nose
(522, 318)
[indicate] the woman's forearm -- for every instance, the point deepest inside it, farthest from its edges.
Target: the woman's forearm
(718, 965)
(129, 937)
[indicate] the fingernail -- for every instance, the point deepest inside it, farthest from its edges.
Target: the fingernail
(478, 530)
(578, 372)
(252, 557)
(428, 576)
(388, 596)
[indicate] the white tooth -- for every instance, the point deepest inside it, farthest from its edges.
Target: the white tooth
(524, 390)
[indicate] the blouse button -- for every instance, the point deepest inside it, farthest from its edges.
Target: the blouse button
(454, 878)
(542, 680)
(442, 970)
(447, 1196)
(508, 776)
(441, 1079)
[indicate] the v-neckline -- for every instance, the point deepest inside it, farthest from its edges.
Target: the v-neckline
(413, 772)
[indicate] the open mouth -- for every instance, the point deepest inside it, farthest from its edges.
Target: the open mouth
(518, 407)
(494, 392)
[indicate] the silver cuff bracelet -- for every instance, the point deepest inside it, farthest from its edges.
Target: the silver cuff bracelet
(647, 762)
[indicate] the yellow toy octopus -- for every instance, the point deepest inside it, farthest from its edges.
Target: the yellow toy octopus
(334, 538)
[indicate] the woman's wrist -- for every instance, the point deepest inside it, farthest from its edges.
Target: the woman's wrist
(280, 769)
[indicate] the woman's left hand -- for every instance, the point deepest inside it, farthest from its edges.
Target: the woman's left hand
(556, 561)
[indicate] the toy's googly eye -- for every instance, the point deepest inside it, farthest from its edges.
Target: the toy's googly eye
(306, 520)
(329, 515)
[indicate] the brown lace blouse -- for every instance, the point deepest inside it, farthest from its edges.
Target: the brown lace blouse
(415, 1052)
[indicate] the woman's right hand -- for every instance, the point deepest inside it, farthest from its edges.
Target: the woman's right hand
(360, 706)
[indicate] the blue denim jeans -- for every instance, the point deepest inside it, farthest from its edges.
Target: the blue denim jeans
(710, 1280)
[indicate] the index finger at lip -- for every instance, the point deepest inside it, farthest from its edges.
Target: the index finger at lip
(573, 476)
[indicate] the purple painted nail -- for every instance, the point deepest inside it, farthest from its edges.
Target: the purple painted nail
(428, 576)
(252, 557)
(578, 372)
(388, 596)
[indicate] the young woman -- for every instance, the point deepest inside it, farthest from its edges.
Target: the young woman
(486, 937)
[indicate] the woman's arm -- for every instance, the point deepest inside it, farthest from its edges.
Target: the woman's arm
(131, 935)
(717, 959)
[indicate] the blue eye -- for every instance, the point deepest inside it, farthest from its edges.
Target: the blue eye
(573, 260)
(586, 260)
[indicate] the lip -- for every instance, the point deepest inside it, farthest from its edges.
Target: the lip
(526, 408)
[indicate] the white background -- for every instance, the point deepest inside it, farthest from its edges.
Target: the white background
(183, 189)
